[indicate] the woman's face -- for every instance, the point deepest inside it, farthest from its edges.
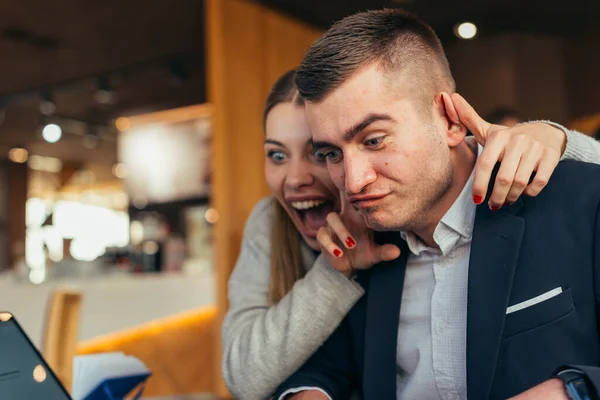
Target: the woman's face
(297, 178)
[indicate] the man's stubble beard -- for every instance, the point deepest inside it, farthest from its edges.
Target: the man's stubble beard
(419, 216)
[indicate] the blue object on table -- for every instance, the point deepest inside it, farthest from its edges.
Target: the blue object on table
(118, 388)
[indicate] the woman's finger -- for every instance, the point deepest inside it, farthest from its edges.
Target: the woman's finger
(327, 244)
(509, 166)
(339, 229)
(544, 171)
(527, 166)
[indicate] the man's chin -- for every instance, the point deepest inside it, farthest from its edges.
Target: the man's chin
(376, 224)
(379, 222)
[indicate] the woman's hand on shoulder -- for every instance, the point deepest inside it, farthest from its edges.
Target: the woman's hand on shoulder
(348, 244)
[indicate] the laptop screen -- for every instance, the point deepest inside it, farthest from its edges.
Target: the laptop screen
(24, 375)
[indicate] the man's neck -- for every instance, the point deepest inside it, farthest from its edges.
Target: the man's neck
(464, 159)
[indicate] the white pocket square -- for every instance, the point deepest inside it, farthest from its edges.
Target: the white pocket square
(531, 302)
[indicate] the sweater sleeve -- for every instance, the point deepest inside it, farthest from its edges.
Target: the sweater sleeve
(579, 147)
(264, 344)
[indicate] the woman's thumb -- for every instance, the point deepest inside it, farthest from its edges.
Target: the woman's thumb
(388, 252)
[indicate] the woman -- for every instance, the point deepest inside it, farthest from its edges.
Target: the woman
(284, 298)
(281, 233)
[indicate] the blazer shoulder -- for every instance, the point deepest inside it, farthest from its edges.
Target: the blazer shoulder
(579, 176)
(574, 187)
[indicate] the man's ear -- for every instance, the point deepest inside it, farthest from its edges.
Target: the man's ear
(455, 130)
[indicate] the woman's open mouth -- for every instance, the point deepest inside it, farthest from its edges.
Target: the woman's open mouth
(312, 213)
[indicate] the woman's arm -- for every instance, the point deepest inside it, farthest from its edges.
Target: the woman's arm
(262, 344)
(580, 147)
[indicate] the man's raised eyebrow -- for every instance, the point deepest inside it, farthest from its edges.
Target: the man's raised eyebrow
(356, 129)
(362, 125)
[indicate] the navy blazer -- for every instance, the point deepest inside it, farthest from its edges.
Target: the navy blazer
(517, 253)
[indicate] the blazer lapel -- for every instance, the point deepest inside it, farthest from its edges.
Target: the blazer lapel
(494, 254)
(385, 286)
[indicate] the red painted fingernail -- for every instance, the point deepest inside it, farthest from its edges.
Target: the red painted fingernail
(508, 203)
(350, 242)
(337, 253)
(477, 199)
(494, 208)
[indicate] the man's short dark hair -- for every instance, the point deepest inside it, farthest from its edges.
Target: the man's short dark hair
(392, 39)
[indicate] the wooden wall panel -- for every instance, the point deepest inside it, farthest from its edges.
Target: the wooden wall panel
(248, 47)
(285, 42)
(17, 178)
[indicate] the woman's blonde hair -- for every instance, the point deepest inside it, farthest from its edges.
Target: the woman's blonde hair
(286, 254)
(286, 250)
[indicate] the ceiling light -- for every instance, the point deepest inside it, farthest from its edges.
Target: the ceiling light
(18, 155)
(52, 133)
(119, 170)
(122, 124)
(47, 105)
(211, 216)
(465, 30)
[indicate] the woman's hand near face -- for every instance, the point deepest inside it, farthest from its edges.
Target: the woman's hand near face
(348, 244)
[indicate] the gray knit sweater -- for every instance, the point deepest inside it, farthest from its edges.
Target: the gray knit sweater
(264, 344)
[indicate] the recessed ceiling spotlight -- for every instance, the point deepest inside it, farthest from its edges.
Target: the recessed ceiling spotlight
(465, 30)
(52, 133)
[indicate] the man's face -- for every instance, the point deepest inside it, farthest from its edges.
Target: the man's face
(389, 157)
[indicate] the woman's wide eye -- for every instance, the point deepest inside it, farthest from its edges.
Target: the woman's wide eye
(276, 156)
(319, 156)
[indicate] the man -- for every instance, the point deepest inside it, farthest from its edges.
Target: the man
(497, 299)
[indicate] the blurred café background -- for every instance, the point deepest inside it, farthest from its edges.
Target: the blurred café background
(131, 151)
